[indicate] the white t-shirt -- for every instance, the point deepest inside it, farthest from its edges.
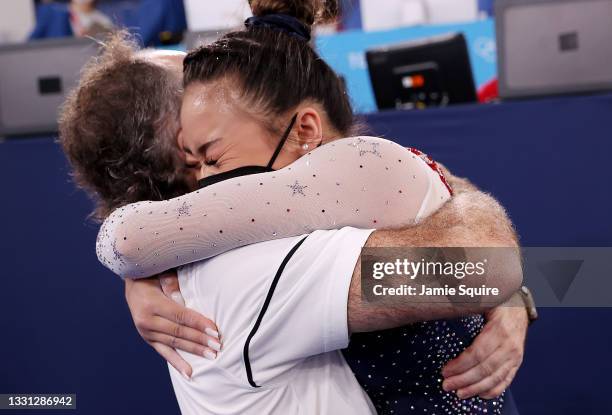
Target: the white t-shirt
(294, 352)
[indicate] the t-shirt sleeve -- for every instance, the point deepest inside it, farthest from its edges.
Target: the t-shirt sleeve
(307, 313)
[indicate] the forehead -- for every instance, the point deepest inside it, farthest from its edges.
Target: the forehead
(220, 96)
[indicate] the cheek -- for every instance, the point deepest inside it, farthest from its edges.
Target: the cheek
(258, 143)
(248, 152)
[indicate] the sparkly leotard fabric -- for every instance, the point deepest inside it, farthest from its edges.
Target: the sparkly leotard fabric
(362, 182)
(400, 369)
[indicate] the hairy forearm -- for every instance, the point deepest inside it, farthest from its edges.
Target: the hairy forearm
(471, 219)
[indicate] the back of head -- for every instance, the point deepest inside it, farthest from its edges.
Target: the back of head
(275, 69)
(308, 12)
(118, 128)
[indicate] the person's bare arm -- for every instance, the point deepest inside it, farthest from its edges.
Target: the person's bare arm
(470, 219)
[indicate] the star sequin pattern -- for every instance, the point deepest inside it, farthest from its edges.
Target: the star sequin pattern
(297, 188)
(361, 143)
(184, 210)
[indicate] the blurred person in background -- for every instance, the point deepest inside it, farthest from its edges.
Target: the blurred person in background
(52, 21)
(79, 18)
(153, 22)
(87, 20)
(160, 22)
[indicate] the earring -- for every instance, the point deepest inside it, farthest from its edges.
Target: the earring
(305, 147)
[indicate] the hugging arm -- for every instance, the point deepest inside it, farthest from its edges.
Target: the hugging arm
(486, 367)
(363, 182)
(471, 219)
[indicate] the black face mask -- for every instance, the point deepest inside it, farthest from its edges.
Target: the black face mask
(246, 170)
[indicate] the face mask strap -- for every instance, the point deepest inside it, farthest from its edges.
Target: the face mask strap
(282, 142)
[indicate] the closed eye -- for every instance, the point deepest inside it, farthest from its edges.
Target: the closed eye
(192, 165)
(210, 162)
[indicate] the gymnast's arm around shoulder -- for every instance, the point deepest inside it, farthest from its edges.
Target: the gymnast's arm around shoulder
(364, 182)
(471, 219)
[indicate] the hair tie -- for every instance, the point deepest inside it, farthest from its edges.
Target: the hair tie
(282, 23)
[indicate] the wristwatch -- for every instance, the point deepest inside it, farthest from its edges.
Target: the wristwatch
(532, 311)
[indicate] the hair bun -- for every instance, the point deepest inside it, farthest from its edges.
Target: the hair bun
(308, 12)
(281, 22)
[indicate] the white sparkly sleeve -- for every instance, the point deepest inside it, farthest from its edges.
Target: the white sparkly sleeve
(363, 182)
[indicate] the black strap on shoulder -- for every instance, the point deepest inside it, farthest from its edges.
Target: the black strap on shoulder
(247, 363)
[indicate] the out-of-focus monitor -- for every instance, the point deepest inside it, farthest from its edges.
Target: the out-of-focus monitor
(432, 72)
(34, 80)
(548, 47)
(392, 14)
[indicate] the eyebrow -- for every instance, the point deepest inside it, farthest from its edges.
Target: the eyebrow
(203, 148)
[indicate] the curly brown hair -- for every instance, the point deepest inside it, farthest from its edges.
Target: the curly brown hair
(118, 128)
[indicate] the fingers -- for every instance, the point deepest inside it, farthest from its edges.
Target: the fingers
(174, 359)
(493, 385)
(497, 390)
(484, 345)
(489, 365)
(488, 379)
(181, 328)
(191, 347)
(476, 374)
(186, 317)
(210, 338)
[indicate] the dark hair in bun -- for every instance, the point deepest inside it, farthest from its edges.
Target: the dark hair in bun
(272, 69)
(308, 12)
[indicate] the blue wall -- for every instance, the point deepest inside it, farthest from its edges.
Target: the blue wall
(65, 325)
(66, 328)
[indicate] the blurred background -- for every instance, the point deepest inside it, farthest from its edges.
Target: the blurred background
(513, 94)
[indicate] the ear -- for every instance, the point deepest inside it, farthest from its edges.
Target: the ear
(309, 129)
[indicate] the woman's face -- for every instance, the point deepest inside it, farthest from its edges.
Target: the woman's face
(217, 135)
